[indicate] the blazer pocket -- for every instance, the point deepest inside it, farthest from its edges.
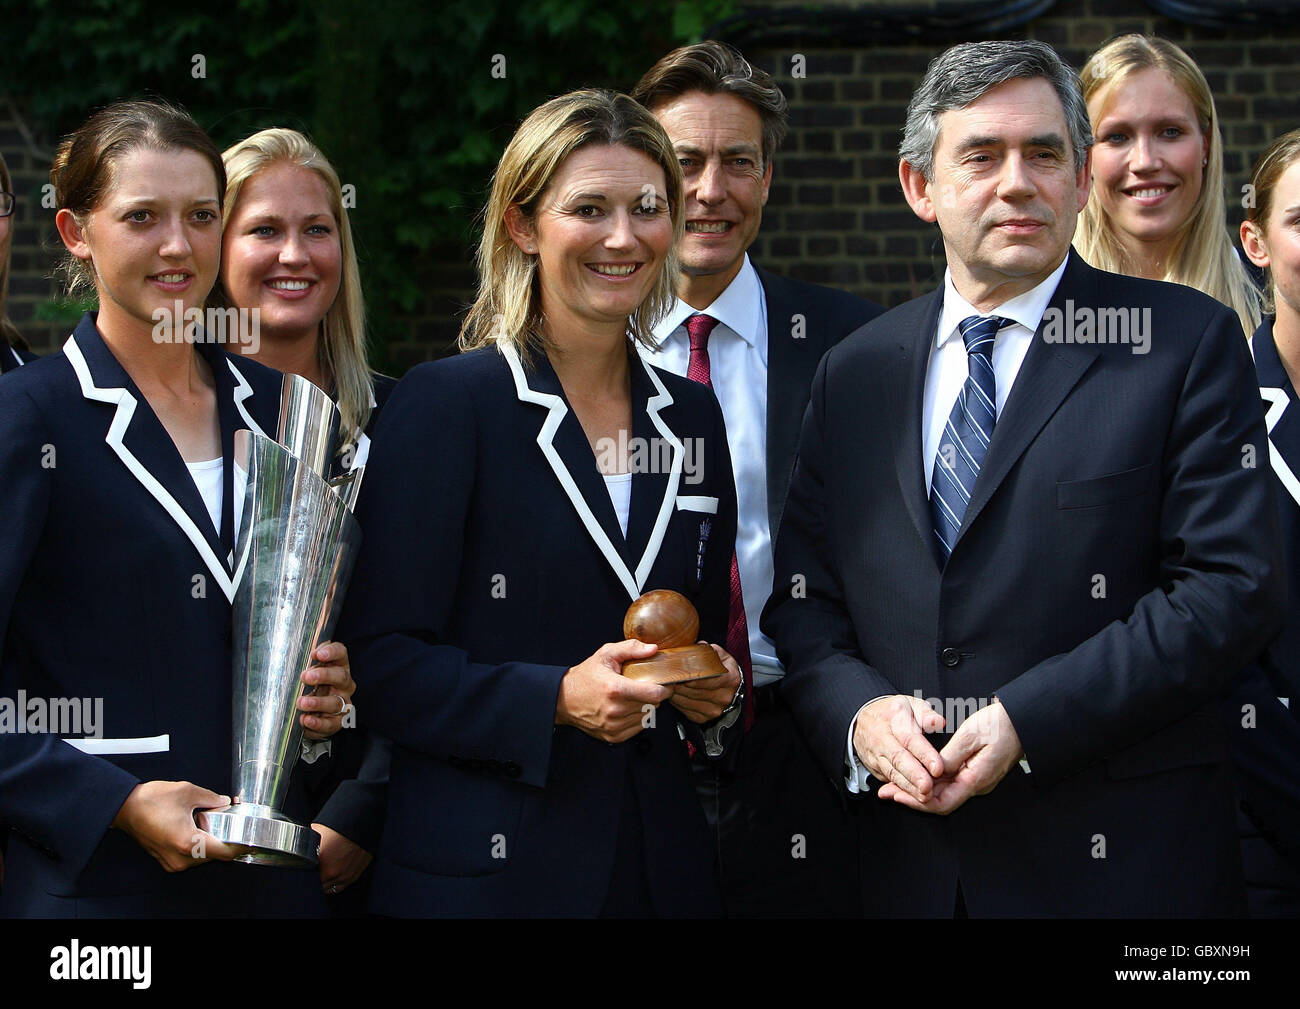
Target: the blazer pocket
(698, 503)
(1104, 490)
(448, 822)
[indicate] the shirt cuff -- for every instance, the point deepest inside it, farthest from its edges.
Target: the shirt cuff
(314, 749)
(857, 778)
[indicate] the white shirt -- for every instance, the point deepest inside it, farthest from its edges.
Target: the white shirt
(738, 370)
(944, 377)
(16, 356)
(208, 476)
(619, 486)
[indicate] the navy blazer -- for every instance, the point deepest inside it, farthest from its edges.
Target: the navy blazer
(1118, 563)
(1266, 740)
(12, 358)
(493, 562)
(115, 585)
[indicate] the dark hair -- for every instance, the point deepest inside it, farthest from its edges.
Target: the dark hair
(717, 68)
(83, 169)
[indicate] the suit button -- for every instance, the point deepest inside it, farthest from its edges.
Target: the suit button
(643, 744)
(951, 657)
(511, 770)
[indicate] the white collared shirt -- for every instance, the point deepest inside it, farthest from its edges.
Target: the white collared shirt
(945, 375)
(949, 362)
(738, 370)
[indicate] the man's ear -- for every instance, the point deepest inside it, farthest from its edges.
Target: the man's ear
(73, 233)
(1253, 244)
(521, 230)
(1083, 182)
(767, 180)
(916, 190)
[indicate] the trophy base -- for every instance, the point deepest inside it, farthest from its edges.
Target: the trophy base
(676, 665)
(267, 837)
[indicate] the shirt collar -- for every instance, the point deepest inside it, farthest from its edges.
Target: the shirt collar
(1026, 309)
(739, 308)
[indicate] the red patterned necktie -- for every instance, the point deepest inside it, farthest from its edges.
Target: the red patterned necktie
(698, 327)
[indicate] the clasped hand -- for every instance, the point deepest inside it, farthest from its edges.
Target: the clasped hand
(597, 698)
(889, 739)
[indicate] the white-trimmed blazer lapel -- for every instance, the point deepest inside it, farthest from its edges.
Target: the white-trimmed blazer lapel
(1274, 389)
(150, 456)
(617, 552)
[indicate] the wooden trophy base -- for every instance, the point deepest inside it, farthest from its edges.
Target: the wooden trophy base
(676, 665)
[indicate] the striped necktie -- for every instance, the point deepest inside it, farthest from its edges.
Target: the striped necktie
(966, 436)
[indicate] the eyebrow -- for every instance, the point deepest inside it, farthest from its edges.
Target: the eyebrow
(726, 151)
(1054, 141)
(128, 198)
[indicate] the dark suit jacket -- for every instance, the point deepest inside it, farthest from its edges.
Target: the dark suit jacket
(1266, 741)
(803, 322)
(1118, 563)
(10, 362)
(114, 585)
(493, 562)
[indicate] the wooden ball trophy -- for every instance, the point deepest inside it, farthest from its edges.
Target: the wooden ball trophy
(667, 619)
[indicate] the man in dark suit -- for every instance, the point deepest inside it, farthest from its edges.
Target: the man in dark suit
(1030, 510)
(755, 338)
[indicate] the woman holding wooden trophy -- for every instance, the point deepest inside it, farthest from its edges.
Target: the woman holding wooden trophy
(519, 499)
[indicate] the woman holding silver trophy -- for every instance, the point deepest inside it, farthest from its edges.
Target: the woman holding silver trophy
(518, 498)
(116, 559)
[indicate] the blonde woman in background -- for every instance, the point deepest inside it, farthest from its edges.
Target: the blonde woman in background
(287, 252)
(1157, 207)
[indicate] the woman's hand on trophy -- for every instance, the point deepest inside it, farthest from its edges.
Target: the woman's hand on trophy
(597, 698)
(159, 815)
(329, 708)
(702, 701)
(341, 861)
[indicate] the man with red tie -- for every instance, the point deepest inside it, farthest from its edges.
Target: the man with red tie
(783, 838)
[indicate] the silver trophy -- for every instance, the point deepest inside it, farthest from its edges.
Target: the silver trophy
(297, 543)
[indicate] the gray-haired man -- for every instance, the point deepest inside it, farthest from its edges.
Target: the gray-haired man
(1007, 526)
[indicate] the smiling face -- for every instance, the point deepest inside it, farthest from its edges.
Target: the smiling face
(1005, 192)
(600, 237)
(153, 239)
(281, 253)
(1148, 164)
(719, 142)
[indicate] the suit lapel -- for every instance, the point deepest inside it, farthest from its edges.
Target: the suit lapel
(791, 366)
(142, 444)
(908, 404)
(565, 447)
(1280, 418)
(1046, 376)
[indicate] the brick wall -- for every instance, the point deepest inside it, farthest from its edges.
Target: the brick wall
(836, 215)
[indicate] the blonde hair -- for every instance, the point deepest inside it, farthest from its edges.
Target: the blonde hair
(8, 332)
(1280, 155)
(1204, 256)
(341, 349)
(508, 305)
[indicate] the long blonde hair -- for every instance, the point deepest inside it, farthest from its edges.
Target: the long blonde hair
(508, 306)
(341, 349)
(1204, 256)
